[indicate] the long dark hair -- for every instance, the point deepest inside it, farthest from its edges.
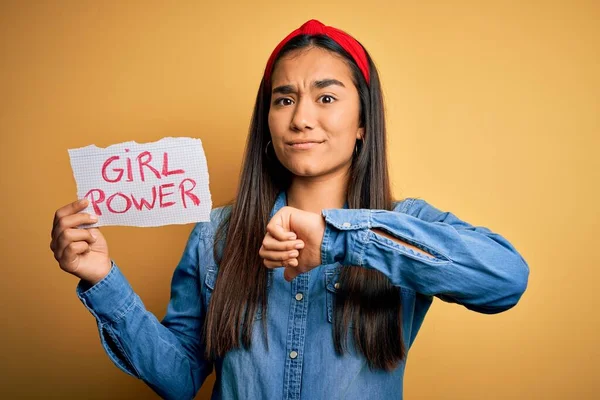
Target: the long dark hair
(365, 299)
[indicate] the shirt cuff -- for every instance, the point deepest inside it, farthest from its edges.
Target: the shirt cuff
(109, 299)
(345, 236)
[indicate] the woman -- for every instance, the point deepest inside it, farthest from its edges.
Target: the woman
(313, 283)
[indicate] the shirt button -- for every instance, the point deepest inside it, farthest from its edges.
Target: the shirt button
(346, 224)
(299, 296)
(337, 285)
(293, 354)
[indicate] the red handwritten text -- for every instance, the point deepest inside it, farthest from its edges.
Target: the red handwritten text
(168, 194)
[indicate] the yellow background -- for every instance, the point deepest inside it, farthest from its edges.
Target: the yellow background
(493, 111)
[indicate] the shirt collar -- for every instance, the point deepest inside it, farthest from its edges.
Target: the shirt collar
(281, 201)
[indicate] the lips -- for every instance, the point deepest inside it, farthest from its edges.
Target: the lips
(303, 144)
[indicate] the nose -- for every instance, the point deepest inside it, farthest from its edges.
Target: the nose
(303, 117)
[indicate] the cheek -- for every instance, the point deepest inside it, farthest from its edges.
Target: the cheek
(341, 127)
(271, 121)
(277, 128)
(277, 124)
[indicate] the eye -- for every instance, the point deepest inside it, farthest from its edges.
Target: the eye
(283, 101)
(327, 99)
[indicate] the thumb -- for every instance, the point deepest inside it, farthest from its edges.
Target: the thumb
(289, 274)
(95, 232)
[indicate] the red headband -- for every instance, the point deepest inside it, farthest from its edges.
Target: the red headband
(314, 27)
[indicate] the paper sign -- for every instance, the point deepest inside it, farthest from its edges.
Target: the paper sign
(148, 184)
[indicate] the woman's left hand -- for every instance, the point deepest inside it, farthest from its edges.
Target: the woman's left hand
(293, 241)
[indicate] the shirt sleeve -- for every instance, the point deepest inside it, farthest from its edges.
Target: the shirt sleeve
(167, 355)
(469, 265)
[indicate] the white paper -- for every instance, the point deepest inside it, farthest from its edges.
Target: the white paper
(144, 184)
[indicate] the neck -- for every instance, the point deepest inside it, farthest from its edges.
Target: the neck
(315, 194)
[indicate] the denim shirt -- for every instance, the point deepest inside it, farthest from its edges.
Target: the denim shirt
(470, 265)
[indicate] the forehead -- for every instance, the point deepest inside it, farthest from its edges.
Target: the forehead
(313, 63)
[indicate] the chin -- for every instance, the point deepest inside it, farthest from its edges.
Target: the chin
(305, 169)
(306, 172)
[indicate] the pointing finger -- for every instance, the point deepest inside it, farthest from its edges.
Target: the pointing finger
(279, 233)
(69, 209)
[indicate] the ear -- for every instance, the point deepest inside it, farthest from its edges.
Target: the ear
(360, 133)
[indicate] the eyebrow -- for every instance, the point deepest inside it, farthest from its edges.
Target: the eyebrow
(287, 89)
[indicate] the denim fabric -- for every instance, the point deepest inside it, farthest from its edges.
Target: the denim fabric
(470, 265)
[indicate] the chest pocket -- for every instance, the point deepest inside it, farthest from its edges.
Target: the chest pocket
(211, 278)
(331, 278)
(332, 275)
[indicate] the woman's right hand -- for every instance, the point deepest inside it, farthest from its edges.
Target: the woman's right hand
(81, 252)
